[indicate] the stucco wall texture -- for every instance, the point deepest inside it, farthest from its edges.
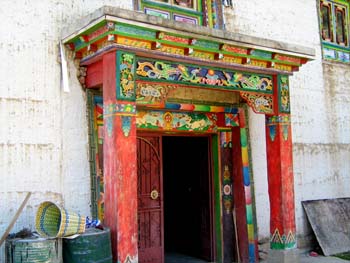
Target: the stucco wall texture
(43, 131)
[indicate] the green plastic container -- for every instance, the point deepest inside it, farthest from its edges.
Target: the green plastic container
(33, 250)
(94, 246)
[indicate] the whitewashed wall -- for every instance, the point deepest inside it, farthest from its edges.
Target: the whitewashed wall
(43, 131)
(320, 104)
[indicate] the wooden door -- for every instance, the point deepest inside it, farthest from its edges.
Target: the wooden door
(205, 206)
(150, 199)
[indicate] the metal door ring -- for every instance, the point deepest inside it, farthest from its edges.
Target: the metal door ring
(154, 194)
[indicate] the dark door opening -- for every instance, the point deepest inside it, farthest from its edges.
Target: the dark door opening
(187, 196)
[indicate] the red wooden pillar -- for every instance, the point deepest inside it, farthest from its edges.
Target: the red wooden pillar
(119, 150)
(280, 177)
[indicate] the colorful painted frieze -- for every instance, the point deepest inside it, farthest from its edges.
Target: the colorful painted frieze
(202, 76)
(176, 121)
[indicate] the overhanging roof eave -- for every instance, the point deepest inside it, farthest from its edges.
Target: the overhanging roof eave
(137, 18)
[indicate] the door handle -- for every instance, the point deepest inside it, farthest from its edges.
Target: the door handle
(154, 194)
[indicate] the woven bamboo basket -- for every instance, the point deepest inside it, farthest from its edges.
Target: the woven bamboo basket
(53, 221)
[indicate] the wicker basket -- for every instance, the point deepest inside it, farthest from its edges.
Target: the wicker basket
(53, 221)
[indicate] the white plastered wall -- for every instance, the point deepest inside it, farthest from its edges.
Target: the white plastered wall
(43, 131)
(320, 105)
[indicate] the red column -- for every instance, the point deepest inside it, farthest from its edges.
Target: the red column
(120, 172)
(281, 182)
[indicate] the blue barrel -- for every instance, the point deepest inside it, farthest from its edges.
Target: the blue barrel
(33, 250)
(94, 246)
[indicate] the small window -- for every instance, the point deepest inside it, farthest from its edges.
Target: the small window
(326, 29)
(334, 29)
(198, 12)
(340, 26)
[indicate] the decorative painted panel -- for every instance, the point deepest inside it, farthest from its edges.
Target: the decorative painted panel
(186, 19)
(124, 110)
(231, 120)
(155, 12)
(176, 121)
(283, 94)
(152, 93)
(125, 76)
(202, 76)
(228, 227)
(260, 103)
(273, 121)
(120, 109)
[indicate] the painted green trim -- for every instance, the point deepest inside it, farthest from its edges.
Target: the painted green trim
(330, 45)
(91, 29)
(209, 13)
(262, 54)
(200, 5)
(133, 36)
(217, 198)
(81, 45)
(135, 30)
(291, 245)
(346, 2)
(92, 152)
(207, 45)
(171, 8)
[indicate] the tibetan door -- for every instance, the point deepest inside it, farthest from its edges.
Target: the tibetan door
(150, 199)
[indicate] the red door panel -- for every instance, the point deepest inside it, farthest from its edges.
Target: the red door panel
(150, 199)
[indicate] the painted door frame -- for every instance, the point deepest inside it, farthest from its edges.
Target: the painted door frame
(248, 238)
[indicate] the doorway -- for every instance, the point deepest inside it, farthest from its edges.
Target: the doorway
(187, 189)
(174, 198)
